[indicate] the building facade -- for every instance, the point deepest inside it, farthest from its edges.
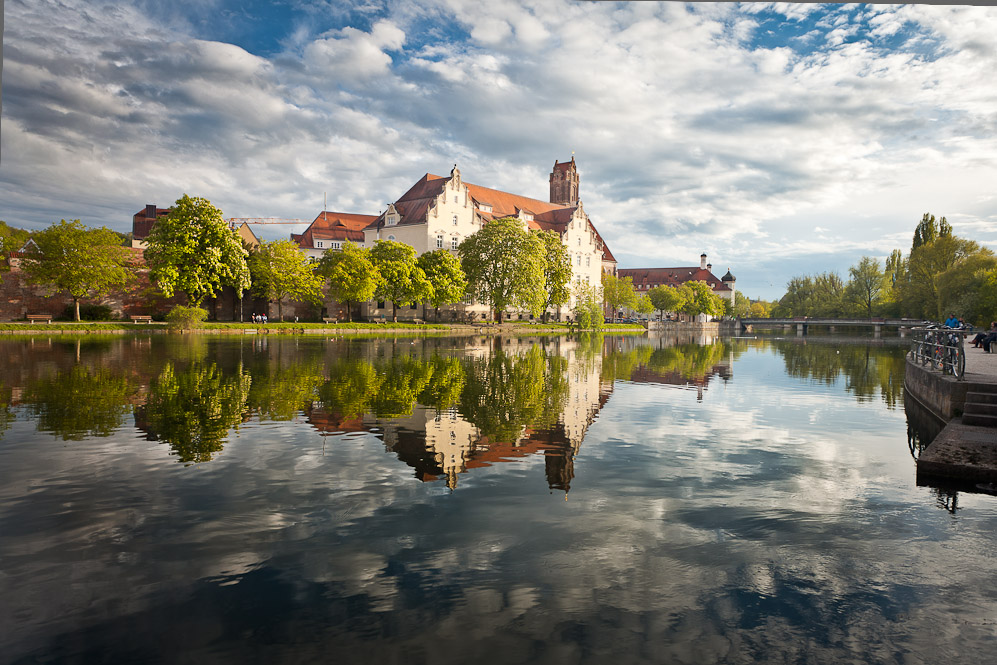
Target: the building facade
(645, 279)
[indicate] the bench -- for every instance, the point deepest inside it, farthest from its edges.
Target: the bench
(40, 317)
(141, 318)
(328, 319)
(418, 322)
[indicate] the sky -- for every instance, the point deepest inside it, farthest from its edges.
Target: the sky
(780, 139)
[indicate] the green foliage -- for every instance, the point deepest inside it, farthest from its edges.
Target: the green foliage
(279, 270)
(88, 313)
(760, 309)
(618, 293)
(80, 403)
(557, 270)
(446, 276)
(919, 292)
(351, 273)
(505, 266)
(588, 307)
(283, 388)
(82, 261)
(186, 318)
(403, 281)
(741, 307)
(193, 250)
(819, 295)
(193, 409)
(698, 298)
(866, 287)
(644, 304)
(665, 299)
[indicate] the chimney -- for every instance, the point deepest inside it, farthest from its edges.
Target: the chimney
(709, 266)
(702, 261)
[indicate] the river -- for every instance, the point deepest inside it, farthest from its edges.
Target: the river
(595, 499)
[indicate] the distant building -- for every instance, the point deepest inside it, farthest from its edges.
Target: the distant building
(645, 279)
(330, 230)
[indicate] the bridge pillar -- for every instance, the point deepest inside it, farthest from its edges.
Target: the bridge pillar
(786, 327)
(878, 328)
(831, 328)
(801, 329)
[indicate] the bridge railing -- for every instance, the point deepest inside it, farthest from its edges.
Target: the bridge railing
(940, 348)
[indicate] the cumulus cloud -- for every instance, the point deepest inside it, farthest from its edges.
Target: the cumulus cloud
(703, 126)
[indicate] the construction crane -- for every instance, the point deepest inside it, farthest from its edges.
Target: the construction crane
(236, 221)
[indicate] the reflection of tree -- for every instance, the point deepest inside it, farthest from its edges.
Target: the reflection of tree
(620, 365)
(505, 393)
(445, 385)
(281, 392)
(351, 387)
(866, 369)
(688, 360)
(194, 408)
(81, 402)
(402, 379)
(6, 413)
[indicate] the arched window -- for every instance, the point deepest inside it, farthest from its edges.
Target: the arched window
(391, 237)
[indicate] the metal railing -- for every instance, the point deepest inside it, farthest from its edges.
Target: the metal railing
(940, 347)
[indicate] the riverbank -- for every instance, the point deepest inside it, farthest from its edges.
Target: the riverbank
(357, 328)
(963, 451)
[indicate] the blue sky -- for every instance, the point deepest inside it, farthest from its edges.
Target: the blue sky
(780, 139)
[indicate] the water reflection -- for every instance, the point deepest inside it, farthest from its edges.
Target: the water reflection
(714, 516)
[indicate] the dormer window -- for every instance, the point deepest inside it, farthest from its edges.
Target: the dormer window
(484, 207)
(319, 244)
(390, 220)
(527, 216)
(336, 245)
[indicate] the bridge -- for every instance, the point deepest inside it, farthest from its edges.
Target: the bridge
(803, 323)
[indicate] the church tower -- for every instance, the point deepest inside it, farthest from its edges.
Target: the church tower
(564, 183)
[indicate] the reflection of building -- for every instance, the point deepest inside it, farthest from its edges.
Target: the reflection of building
(445, 444)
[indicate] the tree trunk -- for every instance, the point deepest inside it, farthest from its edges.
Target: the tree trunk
(349, 311)
(280, 310)
(498, 316)
(76, 306)
(394, 312)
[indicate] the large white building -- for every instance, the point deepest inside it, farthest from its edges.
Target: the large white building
(439, 212)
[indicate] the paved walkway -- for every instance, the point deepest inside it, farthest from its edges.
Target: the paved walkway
(967, 453)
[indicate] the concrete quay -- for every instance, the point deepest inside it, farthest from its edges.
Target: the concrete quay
(966, 448)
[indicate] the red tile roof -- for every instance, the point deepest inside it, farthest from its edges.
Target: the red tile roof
(651, 277)
(334, 226)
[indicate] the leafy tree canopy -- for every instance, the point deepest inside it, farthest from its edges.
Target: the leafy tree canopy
(403, 281)
(665, 299)
(444, 272)
(618, 292)
(698, 298)
(279, 270)
(351, 273)
(192, 250)
(79, 260)
(504, 265)
(557, 270)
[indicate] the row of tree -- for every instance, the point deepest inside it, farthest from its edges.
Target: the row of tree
(943, 274)
(193, 251)
(691, 298)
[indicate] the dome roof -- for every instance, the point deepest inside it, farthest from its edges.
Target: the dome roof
(728, 277)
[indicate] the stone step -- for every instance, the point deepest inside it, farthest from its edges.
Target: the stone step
(983, 389)
(981, 398)
(986, 408)
(979, 420)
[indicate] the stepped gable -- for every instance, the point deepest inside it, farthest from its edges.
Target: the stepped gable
(334, 226)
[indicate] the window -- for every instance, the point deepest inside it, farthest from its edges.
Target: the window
(414, 306)
(318, 243)
(391, 237)
(337, 245)
(579, 241)
(390, 220)
(578, 259)
(455, 220)
(454, 242)
(380, 304)
(439, 242)
(587, 260)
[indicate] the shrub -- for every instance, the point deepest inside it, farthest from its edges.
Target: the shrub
(186, 318)
(87, 313)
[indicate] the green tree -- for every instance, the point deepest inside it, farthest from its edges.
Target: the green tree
(867, 285)
(557, 270)
(919, 292)
(443, 271)
(505, 266)
(644, 304)
(588, 306)
(192, 250)
(740, 308)
(81, 261)
(81, 402)
(698, 298)
(618, 292)
(403, 281)
(279, 270)
(665, 299)
(351, 273)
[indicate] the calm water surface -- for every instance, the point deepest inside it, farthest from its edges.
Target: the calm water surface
(522, 500)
